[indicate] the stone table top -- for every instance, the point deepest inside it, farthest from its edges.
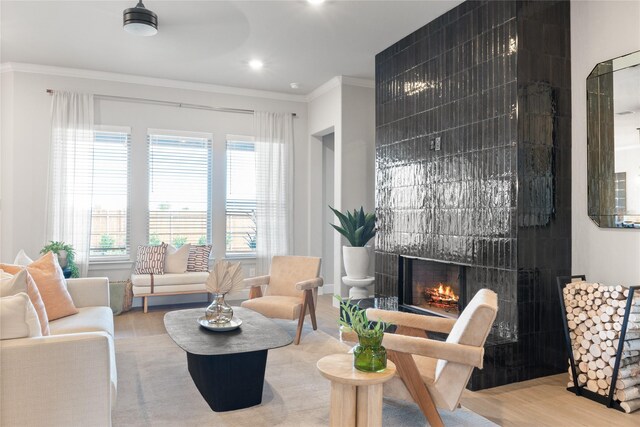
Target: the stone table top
(256, 333)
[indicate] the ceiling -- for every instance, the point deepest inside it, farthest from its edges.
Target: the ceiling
(212, 41)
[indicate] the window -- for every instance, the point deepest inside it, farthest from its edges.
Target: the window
(179, 187)
(110, 197)
(241, 197)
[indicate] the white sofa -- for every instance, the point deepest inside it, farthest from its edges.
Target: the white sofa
(69, 377)
(150, 285)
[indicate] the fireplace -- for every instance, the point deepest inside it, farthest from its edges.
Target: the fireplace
(431, 287)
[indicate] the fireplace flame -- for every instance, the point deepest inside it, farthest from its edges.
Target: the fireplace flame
(442, 293)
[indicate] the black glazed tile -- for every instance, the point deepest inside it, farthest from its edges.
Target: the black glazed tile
(497, 195)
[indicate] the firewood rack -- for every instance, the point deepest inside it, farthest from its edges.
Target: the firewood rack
(580, 390)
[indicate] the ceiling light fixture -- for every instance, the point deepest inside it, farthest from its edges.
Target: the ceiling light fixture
(316, 1)
(256, 64)
(140, 21)
(295, 85)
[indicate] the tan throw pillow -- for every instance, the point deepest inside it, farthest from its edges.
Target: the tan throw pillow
(150, 259)
(175, 261)
(23, 282)
(18, 318)
(199, 258)
(49, 279)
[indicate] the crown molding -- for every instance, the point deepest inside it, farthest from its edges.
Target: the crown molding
(333, 83)
(354, 81)
(142, 80)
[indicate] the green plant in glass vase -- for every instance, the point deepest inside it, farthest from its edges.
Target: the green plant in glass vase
(66, 255)
(369, 355)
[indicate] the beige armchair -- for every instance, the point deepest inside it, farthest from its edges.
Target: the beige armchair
(290, 290)
(435, 373)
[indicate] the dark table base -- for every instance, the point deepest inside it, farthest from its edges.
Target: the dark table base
(229, 381)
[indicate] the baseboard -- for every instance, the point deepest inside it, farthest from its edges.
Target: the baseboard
(327, 289)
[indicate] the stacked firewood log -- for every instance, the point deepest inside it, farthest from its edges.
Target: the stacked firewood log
(595, 316)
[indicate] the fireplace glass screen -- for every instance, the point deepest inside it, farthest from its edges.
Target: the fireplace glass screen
(433, 286)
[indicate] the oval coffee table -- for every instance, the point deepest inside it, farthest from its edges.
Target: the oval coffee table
(227, 367)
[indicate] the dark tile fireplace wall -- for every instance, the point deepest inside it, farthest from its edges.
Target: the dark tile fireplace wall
(473, 166)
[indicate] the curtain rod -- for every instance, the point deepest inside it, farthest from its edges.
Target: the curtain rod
(172, 104)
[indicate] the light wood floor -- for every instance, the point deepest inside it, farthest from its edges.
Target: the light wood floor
(539, 402)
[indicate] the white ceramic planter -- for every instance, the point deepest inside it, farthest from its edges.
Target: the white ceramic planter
(356, 261)
(62, 258)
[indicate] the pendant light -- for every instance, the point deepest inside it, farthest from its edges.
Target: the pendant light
(140, 21)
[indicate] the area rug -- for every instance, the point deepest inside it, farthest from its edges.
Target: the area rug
(155, 389)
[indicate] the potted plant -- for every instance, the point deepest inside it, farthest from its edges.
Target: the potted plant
(369, 355)
(66, 256)
(358, 228)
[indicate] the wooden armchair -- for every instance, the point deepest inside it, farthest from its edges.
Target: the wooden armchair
(291, 290)
(435, 373)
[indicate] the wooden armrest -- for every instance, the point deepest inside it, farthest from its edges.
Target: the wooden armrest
(457, 353)
(309, 284)
(410, 320)
(256, 281)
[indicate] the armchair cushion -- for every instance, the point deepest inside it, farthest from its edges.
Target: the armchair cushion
(280, 307)
(286, 271)
(88, 319)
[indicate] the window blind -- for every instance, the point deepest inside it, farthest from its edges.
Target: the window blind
(241, 199)
(110, 195)
(179, 187)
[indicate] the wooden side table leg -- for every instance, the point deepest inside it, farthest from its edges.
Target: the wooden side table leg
(369, 406)
(343, 405)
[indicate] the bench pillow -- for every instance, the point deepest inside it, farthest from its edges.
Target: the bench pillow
(150, 259)
(199, 258)
(176, 260)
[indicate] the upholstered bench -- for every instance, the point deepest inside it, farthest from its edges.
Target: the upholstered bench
(149, 285)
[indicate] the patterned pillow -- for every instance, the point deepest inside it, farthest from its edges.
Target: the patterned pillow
(150, 259)
(199, 258)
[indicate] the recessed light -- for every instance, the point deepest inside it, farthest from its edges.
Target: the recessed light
(294, 85)
(316, 1)
(256, 64)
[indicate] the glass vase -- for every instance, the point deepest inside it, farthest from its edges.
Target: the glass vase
(219, 312)
(369, 355)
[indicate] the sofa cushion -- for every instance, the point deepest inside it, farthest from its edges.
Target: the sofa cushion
(88, 319)
(23, 282)
(150, 259)
(159, 290)
(169, 279)
(175, 261)
(18, 318)
(49, 279)
(280, 307)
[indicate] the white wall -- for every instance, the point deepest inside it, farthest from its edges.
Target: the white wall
(25, 142)
(346, 108)
(600, 30)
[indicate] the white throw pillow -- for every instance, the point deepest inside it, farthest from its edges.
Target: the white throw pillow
(18, 318)
(22, 259)
(175, 261)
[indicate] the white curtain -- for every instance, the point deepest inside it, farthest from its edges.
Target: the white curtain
(71, 173)
(274, 187)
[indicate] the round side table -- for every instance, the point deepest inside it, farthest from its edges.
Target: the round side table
(356, 396)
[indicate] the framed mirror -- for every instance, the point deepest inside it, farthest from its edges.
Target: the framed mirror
(613, 142)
